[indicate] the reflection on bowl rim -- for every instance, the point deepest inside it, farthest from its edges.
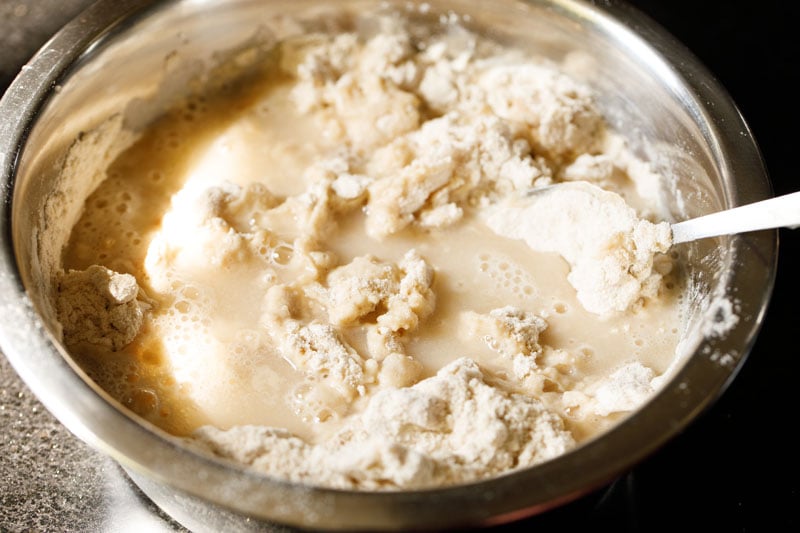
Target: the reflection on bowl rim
(151, 457)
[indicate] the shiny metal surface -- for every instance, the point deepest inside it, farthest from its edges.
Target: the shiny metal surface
(137, 51)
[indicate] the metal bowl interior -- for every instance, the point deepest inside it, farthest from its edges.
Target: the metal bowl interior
(132, 58)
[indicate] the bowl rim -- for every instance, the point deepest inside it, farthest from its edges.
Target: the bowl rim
(91, 415)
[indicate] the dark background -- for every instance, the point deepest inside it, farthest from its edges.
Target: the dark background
(734, 470)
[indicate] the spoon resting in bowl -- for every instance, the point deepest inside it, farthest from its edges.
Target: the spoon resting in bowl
(610, 250)
(779, 212)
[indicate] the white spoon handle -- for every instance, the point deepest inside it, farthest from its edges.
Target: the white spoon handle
(781, 211)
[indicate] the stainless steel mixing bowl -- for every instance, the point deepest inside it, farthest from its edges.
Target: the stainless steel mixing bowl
(131, 57)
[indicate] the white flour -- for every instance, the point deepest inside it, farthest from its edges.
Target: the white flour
(337, 289)
(99, 306)
(451, 428)
(611, 257)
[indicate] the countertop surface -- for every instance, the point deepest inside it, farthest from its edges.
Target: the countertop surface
(735, 469)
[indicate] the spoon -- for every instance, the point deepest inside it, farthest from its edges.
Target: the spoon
(777, 212)
(781, 211)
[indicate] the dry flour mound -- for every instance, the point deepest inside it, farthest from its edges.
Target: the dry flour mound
(99, 307)
(612, 255)
(451, 428)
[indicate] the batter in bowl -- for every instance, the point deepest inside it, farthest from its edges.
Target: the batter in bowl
(335, 272)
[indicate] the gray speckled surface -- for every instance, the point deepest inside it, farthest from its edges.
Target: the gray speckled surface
(50, 480)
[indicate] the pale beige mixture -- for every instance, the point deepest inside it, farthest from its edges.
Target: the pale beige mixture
(337, 274)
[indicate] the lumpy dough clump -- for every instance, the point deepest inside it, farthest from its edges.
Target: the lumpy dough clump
(336, 272)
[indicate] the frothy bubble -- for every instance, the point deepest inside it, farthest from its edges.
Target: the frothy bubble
(507, 275)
